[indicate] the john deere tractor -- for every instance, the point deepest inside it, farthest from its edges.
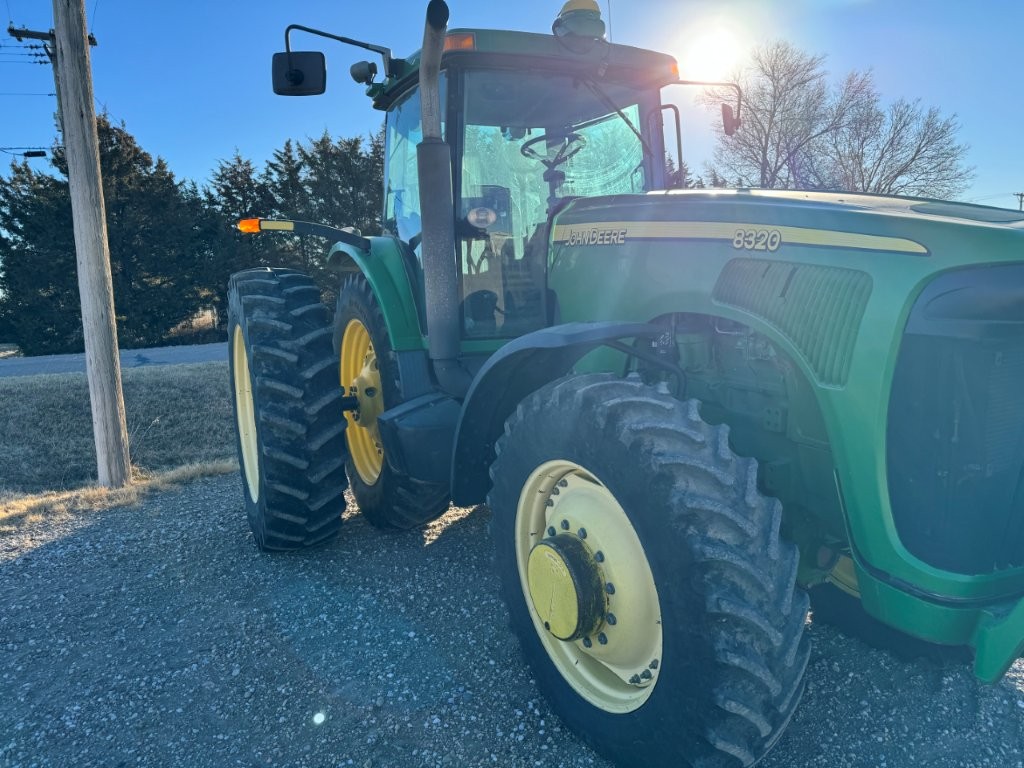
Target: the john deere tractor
(685, 409)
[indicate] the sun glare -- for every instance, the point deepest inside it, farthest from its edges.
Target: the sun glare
(710, 55)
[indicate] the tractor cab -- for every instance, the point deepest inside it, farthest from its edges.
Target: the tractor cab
(532, 121)
(524, 142)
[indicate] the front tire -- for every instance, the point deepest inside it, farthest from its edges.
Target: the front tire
(645, 575)
(368, 371)
(286, 401)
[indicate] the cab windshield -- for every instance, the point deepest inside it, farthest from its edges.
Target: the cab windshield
(530, 140)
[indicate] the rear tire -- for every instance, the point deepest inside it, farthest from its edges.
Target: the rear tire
(728, 627)
(286, 400)
(387, 498)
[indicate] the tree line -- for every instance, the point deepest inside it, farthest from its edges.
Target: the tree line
(173, 244)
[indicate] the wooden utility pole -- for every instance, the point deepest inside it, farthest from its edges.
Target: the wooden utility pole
(1020, 199)
(73, 76)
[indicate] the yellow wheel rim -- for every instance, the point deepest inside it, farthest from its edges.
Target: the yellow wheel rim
(360, 376)
(245, 415)
(615, 665)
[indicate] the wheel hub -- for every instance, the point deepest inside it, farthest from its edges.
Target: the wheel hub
(586, 579)
(360, 378)
(566, 587)
(366, 389)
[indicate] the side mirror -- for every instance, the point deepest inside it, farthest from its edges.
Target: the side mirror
(729, 121)
(299, 73)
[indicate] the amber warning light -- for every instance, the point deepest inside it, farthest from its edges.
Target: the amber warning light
(460, 42)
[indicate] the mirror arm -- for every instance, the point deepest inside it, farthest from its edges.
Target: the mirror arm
(385, 53)
(706, 84)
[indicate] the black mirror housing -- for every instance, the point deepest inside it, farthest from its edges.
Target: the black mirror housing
(299, 73)
(730, 123)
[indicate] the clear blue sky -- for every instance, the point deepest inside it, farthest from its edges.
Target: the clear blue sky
(191, 79)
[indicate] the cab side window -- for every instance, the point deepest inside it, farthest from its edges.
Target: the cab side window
(401, 182)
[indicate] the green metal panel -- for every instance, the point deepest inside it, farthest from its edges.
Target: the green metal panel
(819, 308)
(834, 292)
(386, 272)
(998, 641)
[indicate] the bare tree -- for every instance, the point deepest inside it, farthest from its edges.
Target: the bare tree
(903, 150)
(788, 107)
(801, 132)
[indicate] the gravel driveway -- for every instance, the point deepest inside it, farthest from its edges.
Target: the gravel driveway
(158, 635)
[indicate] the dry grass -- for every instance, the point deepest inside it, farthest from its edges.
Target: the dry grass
(9, 350)
(22, 513)
(34, 506)
(177, 416)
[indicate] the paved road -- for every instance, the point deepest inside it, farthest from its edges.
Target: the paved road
(130, 358)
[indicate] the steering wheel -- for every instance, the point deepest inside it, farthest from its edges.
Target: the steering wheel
(564, 153)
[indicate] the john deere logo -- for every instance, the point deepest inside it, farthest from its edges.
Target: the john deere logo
(596, 236)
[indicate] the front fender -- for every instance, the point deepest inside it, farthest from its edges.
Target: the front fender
(519, 368)
(385, 269)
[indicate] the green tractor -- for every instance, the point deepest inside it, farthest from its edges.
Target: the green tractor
(685, 409)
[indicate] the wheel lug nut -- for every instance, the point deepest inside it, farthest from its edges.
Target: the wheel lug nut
(654, 664)
(635, 680)
(551, 531)
(555, 491)
(565, 525)
(583, 533)
(370, 392)
(549, 503)
(609, 588)
(610, 618)
(602, 639)
(646, 674)
(599, 556)
(563, 483)
(587, 642)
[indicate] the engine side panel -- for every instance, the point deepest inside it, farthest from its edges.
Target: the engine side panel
(829, 289)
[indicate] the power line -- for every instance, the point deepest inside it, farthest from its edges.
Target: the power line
(19, 93)
(49, 40)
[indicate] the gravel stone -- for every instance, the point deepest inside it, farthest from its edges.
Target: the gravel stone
(157, 635)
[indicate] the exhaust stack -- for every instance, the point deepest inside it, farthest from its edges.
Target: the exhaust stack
(437, 213)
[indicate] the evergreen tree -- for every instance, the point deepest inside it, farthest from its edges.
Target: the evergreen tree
(151, 231)
(235, 192)
(284, 178)
(343, 181)
(39, 306)
(680, 177)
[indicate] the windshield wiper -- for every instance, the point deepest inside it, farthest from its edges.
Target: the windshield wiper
(605, 99)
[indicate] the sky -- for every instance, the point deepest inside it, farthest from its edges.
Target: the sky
(191, 79)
